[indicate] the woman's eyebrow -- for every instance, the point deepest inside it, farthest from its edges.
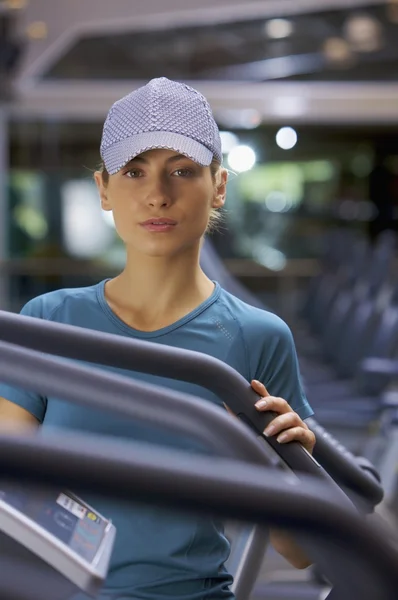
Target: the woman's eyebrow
(143, 160)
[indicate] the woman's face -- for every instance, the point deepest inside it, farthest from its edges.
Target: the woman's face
(161, 201)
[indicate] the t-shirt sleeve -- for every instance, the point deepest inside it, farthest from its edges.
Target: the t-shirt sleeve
(273, 362)
(30, 400)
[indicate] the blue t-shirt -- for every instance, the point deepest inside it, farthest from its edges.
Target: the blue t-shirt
(159, 554)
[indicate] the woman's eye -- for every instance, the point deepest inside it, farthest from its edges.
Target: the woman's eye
(183, 172)
(133, 173)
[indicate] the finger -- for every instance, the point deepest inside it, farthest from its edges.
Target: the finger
(283, 422)
(278, 405)
(259, 388)
(297, 434)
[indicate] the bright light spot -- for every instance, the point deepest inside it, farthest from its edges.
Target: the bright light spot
(277, 202)
(242, 158)
(337, 50)
(228, 141)
(363, 32)
(37, 30)
(277, 29)
(271, 258)
(286, 138)
(85, 232)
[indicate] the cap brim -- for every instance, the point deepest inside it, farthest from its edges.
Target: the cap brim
(119, 154)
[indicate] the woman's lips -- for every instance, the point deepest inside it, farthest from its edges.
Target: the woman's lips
(159, 225)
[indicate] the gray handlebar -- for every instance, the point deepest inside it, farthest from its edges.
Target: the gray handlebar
(336, 458)
(364, 563)
(156, 359)
(357, 477)
(181, 413)
(91, 387)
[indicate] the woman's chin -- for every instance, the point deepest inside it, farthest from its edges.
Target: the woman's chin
(165, 248)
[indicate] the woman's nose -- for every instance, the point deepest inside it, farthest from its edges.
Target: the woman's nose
(159, 194)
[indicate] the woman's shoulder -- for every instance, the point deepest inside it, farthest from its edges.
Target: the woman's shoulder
(45, 305)
(251, 319)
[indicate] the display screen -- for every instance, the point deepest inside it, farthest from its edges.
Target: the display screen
(62, 515)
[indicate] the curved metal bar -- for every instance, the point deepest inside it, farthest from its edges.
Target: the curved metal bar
(185, 414)
(156, 359)
(336, 458)
(365, 565)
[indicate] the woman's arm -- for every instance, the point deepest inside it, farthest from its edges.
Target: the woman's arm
(14, 418)
(287, 547)
(286, 427)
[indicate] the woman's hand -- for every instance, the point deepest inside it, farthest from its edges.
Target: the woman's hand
(287, 426)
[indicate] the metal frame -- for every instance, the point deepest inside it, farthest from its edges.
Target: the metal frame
(82, 19)
(179, 412)
(364, 566)
(274, 101)
(23, 367)
(186, 365)
(48, 376)
(337, 460)
(148, 357)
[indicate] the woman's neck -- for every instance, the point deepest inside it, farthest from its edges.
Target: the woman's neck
(152, 293)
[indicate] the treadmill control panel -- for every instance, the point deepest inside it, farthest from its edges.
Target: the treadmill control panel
(63, 515)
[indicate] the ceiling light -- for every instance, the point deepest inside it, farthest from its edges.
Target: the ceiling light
(228, 141)
(271, 258)
(337, 50)
(277, 202)
(363, 32)
(277, 29)
(242, 158)
(37, 30)
(286, 138)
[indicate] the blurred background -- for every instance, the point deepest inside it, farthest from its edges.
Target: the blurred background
(305, 93)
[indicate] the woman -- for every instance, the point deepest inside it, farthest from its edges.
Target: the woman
(162, 179)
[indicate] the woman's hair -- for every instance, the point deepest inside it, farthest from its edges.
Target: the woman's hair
(215, 217)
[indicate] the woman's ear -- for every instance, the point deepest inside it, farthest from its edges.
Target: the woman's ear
(103, 191)
(221, 189)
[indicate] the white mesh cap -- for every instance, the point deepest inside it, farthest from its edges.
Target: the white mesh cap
(162, 114)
